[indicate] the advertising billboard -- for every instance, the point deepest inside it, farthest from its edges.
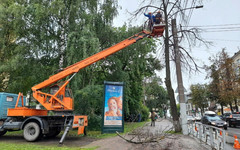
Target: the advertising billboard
(113, 107)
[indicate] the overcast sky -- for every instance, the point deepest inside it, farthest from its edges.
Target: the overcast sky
(220, 18)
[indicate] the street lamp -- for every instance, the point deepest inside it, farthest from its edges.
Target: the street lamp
(201, 6)
(196, 7)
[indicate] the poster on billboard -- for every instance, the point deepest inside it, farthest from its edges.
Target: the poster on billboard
(113, 107)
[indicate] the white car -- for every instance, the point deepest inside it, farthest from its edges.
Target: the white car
(209, 113)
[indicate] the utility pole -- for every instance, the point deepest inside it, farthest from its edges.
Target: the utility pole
(180, 88)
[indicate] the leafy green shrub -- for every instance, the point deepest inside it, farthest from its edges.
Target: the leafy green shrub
(94, 122)
(144, 112)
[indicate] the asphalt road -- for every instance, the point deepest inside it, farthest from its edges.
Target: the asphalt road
(234, 131)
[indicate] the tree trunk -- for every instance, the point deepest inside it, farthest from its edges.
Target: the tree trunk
(221, 108)
(173, 106)
(236, 105)
(231, 107)
(202, 111)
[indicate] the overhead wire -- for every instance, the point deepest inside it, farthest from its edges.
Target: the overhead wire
(214, 25)
(190, 12)
(217, 28)
(184, 7)
(221, 30)
(226, 40)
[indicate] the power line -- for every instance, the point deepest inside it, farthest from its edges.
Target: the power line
(223, 28)
(184, 7)
(224, 40)
(191, 11)
(213, 25)
(218, 28)
(221, 31)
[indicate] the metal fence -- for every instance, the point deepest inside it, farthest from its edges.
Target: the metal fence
(213, 136)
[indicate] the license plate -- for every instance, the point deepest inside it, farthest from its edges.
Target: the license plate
(220, 125)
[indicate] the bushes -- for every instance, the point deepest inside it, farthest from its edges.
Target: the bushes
(94, 122)
(144, 112)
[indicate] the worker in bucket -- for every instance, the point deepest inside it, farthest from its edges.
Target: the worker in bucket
(158, 17)
(151, 20)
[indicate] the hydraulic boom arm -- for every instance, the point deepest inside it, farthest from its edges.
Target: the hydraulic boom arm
(59, 100)
(90, 60)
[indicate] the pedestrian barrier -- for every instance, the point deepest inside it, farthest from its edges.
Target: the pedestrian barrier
(213, 136)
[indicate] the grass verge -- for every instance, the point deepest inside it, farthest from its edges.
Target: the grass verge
(128, 127)
(13, 146)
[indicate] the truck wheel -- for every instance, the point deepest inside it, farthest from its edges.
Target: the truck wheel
(3, 132)
(31, 131)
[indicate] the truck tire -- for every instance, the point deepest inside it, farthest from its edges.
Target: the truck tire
(3, 132)
(31, 131)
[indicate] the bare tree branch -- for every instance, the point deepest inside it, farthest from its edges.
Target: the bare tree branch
(139, 136)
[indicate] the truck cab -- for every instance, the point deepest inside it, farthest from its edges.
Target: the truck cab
(8, 100)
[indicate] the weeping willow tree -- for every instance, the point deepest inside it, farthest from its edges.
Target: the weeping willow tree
(40, 37)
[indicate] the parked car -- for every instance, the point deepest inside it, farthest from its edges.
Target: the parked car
(214, 120)
(234, 119)
(226, 116)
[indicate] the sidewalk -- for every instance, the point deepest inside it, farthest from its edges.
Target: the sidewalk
(176, 141)
(169, 142)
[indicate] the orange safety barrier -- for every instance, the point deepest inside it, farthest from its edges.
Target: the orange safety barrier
(236, 143)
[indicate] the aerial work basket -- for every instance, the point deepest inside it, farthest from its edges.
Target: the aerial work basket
(156, 30)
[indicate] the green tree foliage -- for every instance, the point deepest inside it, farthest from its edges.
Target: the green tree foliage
(131, 66)
(156, 95)
(89, 102)
(11, 53)
(38, 37)
(199, 96)
(224, 84)
(41, 32)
